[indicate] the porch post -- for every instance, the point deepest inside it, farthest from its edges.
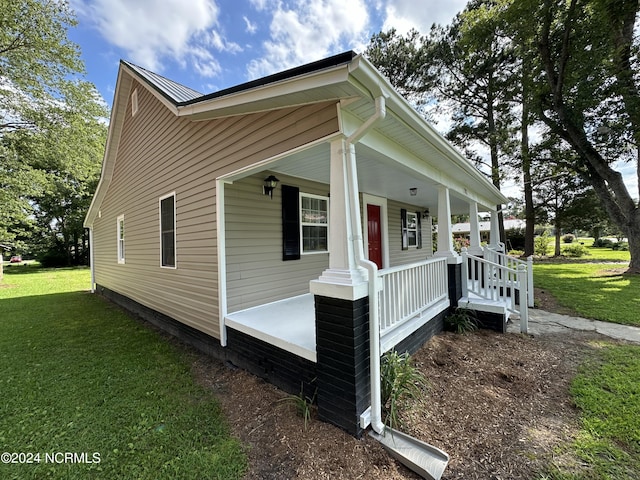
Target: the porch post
(445, 239)
(474, 230)
(494, 236)
(344, 278)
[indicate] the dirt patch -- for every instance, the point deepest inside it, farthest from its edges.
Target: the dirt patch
(498, 404)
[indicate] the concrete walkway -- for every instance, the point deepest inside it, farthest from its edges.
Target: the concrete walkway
(541, 322)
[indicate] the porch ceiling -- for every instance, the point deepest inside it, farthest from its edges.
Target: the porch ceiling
(377, 175)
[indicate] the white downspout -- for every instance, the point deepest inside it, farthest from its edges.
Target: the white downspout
(372, 268)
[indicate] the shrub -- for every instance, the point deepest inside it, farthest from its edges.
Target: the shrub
(400, 380)
(568, 238)
(541, 244)
(515, 238)
(462, 320)
(459, 243)
(516, 253)
(603, 243)
(576, 250)
(624, 246)
(54, 259)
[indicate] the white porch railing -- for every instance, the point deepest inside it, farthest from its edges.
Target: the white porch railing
(408, 297)
(489, 280)
(500, 258)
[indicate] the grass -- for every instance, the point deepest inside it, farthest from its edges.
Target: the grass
(594, 286)
(77, 375)
(607, 393)
(607, 389)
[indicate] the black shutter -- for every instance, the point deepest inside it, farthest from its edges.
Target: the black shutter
(419, 227)
(290, 223)
(405, 237)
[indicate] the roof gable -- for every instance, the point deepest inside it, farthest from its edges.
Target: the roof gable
(173, 91)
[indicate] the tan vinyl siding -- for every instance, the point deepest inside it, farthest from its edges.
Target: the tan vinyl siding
(158, 154)
(397, 256)
(256, 273)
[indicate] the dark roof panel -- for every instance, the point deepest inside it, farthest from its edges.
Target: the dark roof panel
(171, 90)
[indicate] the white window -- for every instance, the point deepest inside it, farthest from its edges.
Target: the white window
(314, 223)
(120, 229)
(168, 231)
(412, 229)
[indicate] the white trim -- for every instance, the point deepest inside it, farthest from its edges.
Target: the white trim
(302, 224)
(120, 232)
(222, 260)
(175, 229)
(381, 202)
(92, 267)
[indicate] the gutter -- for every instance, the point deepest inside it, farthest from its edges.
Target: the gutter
(372, 269)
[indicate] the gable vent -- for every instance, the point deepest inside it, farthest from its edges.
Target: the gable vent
(134, 103)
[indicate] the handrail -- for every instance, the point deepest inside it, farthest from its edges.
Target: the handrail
(493, 281)
(513, 262)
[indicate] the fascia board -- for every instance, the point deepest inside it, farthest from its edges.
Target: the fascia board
(271, 96)
(116, 121)
(366, 75)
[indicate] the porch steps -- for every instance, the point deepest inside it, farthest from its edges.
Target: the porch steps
(483, 305)
(426, 460)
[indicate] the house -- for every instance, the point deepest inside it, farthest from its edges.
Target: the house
(464, 229)
(234, 220)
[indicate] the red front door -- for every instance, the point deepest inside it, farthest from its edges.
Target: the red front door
(375, 234)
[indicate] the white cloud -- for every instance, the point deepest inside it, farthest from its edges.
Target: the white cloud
(306, 30)
(251, 27)
(403, 15)
(151, 31)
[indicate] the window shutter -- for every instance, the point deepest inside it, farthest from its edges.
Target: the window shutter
(405, 238)
(290, 223)
(419, 233)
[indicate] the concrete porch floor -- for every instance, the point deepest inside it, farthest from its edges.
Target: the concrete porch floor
(288, 324)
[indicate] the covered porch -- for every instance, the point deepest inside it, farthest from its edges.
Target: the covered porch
(407, 175)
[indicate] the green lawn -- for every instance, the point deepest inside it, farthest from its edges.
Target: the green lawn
(592, 289)
(607, 394)
(607, 388)
(78, 376)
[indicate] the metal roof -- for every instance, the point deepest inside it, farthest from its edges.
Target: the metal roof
(181, 95)
(173, 91)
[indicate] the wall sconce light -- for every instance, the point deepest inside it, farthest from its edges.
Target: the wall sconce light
(425, 214)
(270, 184)
(413, 191)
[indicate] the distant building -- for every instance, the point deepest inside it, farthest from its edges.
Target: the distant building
(464, 229)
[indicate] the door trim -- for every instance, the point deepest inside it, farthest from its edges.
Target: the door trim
(384, 225)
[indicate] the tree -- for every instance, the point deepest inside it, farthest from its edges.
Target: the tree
(466, 69)
(586, 93)
(52, 127)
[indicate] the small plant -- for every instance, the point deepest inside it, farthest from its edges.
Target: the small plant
(303, 405)
(400, 381)
(462, 320)
(568, 238)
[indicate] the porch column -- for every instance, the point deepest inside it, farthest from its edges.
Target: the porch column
(445, 239)
(494, 235)
(474, 231)
(344, 278)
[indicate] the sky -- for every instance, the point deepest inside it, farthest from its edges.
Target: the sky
(209, 45)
